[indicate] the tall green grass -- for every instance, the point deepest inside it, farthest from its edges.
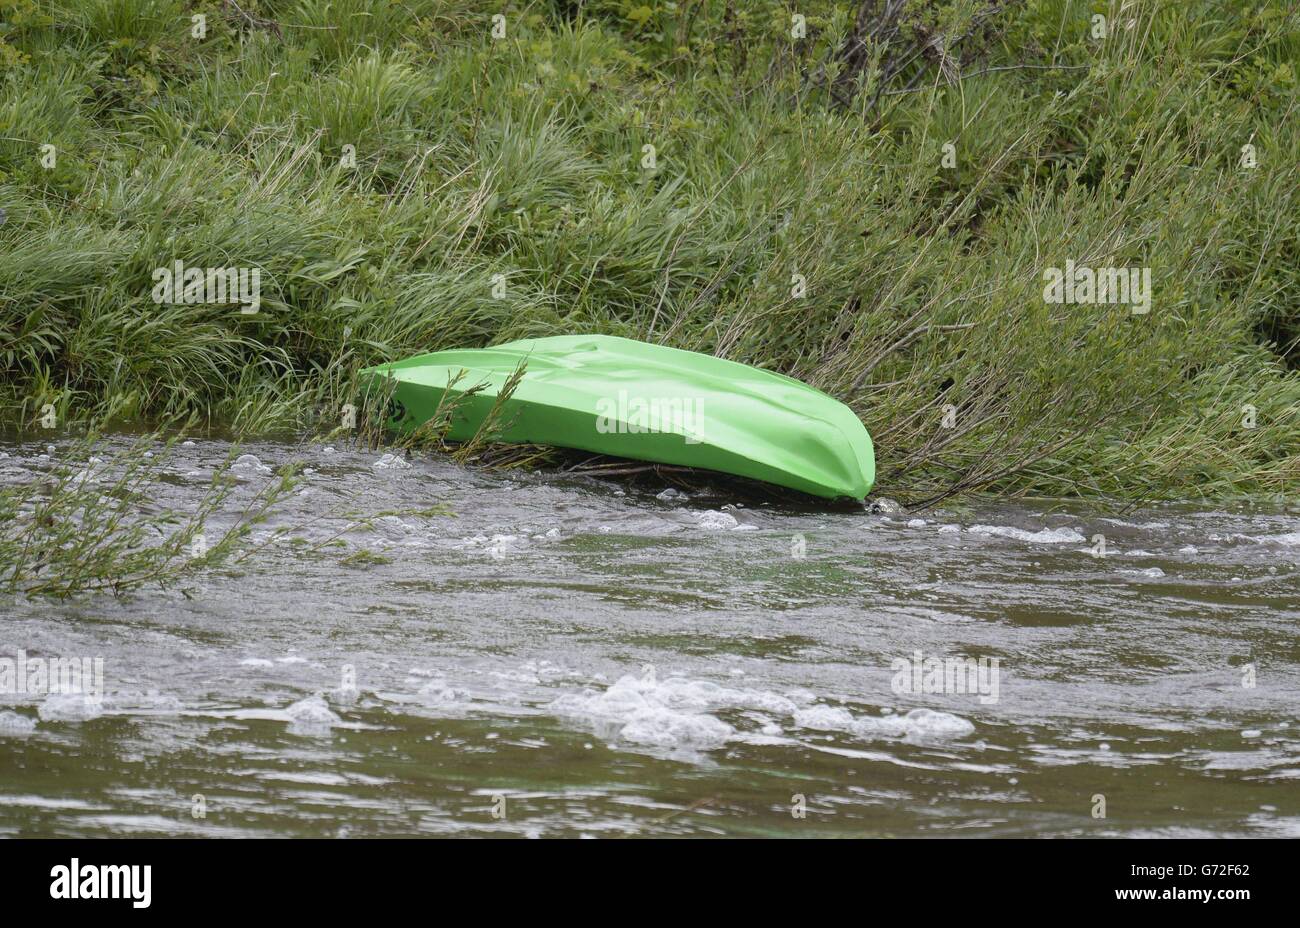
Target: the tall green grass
(777, 160)
(90, 524)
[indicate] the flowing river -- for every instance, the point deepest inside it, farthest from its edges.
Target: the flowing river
(425, 649)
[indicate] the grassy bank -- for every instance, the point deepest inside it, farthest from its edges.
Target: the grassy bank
(869, 204)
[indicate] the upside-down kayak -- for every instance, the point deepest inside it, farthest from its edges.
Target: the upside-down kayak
(646, 402)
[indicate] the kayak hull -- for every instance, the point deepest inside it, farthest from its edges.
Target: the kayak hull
(630, 399)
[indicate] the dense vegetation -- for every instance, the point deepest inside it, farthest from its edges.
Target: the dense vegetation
(865, 195)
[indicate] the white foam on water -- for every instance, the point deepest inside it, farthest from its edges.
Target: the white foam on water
(346, 695)
(544, 668)
(716, 521)
(824, 718)
(88, 474)
(918, 724)
(673, 713)
(11, 723)
(1285, 539)
(256, 662)
(250, 464)
(439, 693)
(496, 547)
(1135, 524)
(1047, 536)
(70, 707)
(949, 529)
(1289, 539)
(311, 715)
(767, 727)
(1153, 573)
(663, 728)
(393, 527)
(311, 709)
(151, 702)
(916, 523)
(801, 697)
(391, 462)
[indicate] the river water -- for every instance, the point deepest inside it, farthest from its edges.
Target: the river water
(421, 648)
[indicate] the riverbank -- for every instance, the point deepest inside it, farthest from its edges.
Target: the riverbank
(402, 180)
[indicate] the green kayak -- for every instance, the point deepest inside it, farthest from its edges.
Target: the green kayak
(646, 402)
